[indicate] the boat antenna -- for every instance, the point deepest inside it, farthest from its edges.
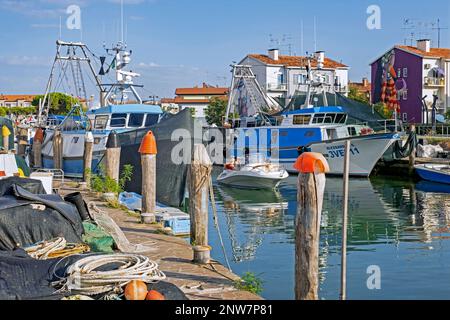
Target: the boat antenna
(121, 20)
(315, 35)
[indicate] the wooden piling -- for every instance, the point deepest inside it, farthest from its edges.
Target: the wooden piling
(310, 189)
(87, 159)
(148, 151)
(22, 141)
(38, 140)
(57, 149)
(412, 156)
(112, 156)
(199, 175)
(5, 134)
(343, 291)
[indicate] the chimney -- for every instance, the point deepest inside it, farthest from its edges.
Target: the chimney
(424, 45)
(365, 82)
(274, 54)
(320, 57)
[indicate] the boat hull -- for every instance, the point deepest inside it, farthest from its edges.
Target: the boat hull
(250, 181)
(433, 173)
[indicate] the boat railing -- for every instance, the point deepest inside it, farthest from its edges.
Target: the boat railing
(442, 130)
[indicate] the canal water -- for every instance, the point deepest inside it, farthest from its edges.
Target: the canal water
(399, 228)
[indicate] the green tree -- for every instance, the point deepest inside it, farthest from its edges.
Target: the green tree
(354, 94)
(383, 110)
(216, 111)
(447, 115)
(60, 103)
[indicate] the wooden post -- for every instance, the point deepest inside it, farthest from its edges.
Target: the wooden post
(412, 156)
(37, 148)
(310, 188)
(22, 140)
(113, 156)
(343, 291)
(57, 149)
(199, 175)
(5, 134)
(148, 151)
(87, 159)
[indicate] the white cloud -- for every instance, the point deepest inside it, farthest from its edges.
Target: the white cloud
(27, 61)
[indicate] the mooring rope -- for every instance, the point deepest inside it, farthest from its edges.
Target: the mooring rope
(216, 222)
(87, 275)
(56, 248)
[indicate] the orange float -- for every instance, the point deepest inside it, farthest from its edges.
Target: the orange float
(312, 162)
(155, 295)
(136, 290)
(148, 144)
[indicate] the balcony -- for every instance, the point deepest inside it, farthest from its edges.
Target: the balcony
(277, 87)
(434, 82)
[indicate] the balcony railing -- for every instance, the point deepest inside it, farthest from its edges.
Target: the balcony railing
(431, 81)
(277, 86)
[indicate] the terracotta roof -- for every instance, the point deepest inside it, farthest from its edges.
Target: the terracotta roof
(202, 91)
(17, 97)
(296, 61)
(167, 100)
(434, 52)
(193, 101)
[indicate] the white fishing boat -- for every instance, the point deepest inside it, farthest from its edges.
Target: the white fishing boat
(257, 173)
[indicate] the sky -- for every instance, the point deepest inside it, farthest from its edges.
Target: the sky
(182, 43)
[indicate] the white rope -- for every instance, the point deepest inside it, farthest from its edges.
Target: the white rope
(86, 276)
(43, 249)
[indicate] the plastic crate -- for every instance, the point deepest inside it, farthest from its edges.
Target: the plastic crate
(179, 225)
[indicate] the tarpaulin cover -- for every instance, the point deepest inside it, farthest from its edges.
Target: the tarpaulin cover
(24, 278)
(23, 224)
(9, 124)
(170, 177)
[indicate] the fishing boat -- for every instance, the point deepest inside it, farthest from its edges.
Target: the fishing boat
(256, 173)
(439, 173)
(283, 135)
(122, 109)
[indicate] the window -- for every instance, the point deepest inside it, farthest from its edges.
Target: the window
(351, 131)
(118, 120)
(151, 120)
(301, 119)
(330, 117)
(318, 118)
(341, 118)
(405, 72)
(300, 78)
(101, 122)
(136, 120)
(280, 78)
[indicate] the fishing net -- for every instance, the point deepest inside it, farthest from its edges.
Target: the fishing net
(97, 239)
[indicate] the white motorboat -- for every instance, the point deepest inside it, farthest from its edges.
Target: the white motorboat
(258, 173)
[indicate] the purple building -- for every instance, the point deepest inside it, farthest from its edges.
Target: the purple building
(405, 74)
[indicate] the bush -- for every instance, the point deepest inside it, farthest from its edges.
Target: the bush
(101, 183)
(249, 282)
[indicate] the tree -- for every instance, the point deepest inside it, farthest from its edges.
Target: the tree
(216, 111)
(60, 103)
(354, 94)
(383, 110)
(447, 115)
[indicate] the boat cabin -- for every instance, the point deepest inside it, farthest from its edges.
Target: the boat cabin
(124, 117)
(314, 117)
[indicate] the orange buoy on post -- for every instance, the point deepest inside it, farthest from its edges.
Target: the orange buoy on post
(148, 151)
(310, 189)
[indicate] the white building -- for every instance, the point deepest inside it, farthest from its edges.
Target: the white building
(282, 76)
(16, 100)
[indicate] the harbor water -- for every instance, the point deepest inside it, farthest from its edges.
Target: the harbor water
(397, 227)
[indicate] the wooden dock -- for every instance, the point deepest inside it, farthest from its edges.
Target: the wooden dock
(174, 256)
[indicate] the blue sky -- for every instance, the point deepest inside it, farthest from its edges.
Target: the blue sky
(180, 43)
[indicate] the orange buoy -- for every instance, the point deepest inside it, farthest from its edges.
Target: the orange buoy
(136, 290)
(148, 144)
(312, 162)
(155, 295)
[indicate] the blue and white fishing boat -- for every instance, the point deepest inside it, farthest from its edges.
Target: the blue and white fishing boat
(439, 173)
(260, 127)
(122, 109)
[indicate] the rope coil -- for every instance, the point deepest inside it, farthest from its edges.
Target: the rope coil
(88, 276)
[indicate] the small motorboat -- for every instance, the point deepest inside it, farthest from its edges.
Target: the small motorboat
(256, 173)
(434, 172)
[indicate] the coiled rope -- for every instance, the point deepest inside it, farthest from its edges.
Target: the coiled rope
(87, 276)
(56, 248)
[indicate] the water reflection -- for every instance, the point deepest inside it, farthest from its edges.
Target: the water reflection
(388, 219)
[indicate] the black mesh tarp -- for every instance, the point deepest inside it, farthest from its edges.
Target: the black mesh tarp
(22, 223)
(170, 176)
